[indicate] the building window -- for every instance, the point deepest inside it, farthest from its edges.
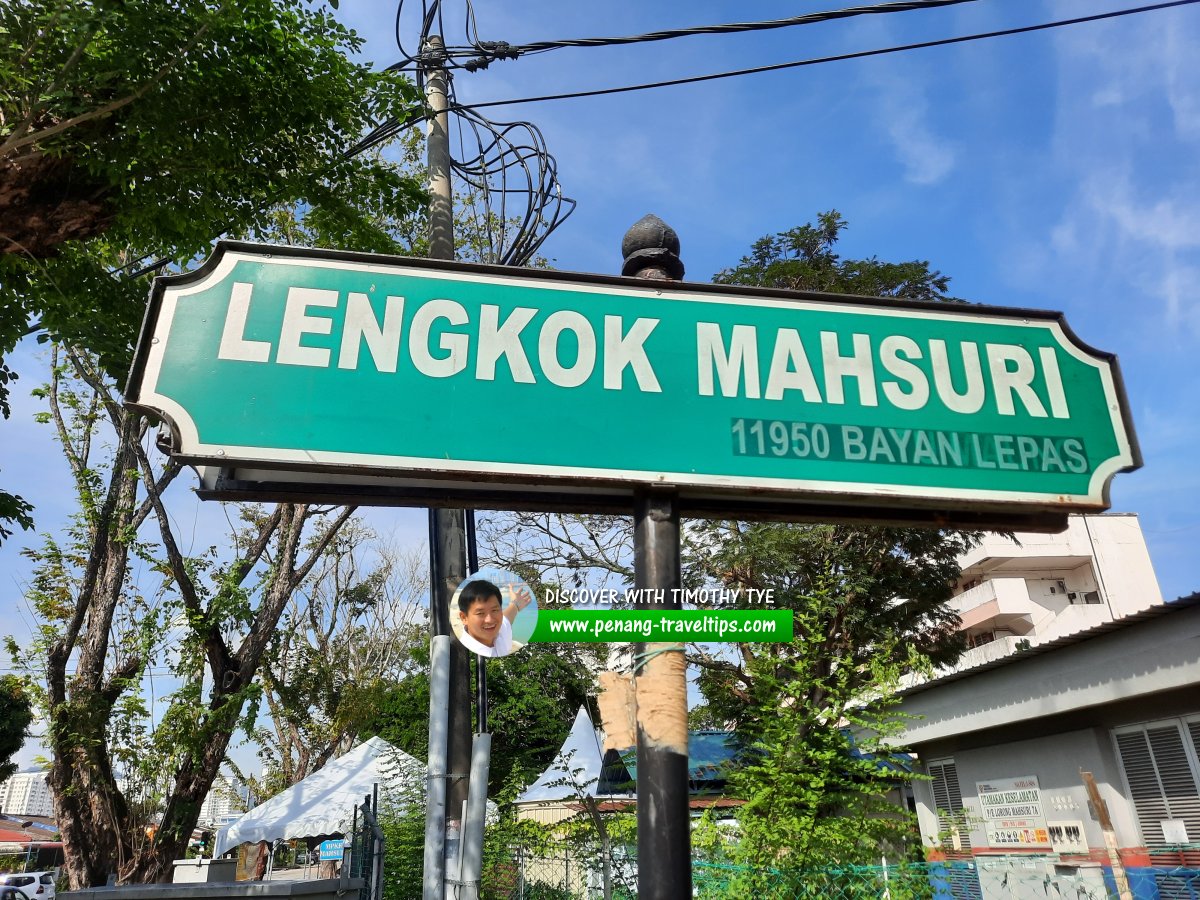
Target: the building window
(1161, 768)
(953, 830)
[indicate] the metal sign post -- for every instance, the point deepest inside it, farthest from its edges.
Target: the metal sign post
(651, 250)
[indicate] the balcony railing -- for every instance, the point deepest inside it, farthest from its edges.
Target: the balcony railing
(1010, 594)
(984, 653)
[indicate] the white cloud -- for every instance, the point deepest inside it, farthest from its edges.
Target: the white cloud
(1179, 289)
(1126, 132)
(901, 109)
(927, 158)
(1135, 64)
(1164, 221)
(1154, 237)
(1181, 71)
(1108, 96)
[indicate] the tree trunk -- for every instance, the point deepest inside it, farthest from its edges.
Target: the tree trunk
(46, 200)
(89, 668)
(92, 846)
(193, 781)
(92, 813)
(231, 673)
(93, 817)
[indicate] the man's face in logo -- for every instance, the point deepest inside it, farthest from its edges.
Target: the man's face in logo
(482, 620)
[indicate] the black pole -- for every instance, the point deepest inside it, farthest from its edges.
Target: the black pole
(651, 250)
(481, 699)
(447, 553)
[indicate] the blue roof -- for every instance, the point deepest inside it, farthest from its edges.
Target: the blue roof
(710, 757)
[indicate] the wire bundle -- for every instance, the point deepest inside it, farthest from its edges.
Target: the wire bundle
(509, 178)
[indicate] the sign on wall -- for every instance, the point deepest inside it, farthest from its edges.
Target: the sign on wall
(488, 384)
(1012, 810)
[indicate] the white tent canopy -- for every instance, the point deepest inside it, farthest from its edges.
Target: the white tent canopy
(323, 803)
(576, 768)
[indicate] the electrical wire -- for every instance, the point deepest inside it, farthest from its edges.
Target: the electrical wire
(433, 22)
(510, 160)
(476, 54)
(497, 162)
(739, 27)
(841, 57)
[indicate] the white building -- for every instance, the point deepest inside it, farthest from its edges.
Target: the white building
(1033, 588)
(1009, 749)
(26, 794)
(222, 803)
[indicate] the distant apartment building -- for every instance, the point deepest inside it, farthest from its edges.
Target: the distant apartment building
(1033, 588)
(222, 803)
(26, 794)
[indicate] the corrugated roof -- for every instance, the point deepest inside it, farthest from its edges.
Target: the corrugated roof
(1146, 615)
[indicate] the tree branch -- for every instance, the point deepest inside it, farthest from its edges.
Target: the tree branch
(14, 140)
(169, 473)
(20, 138)
(98, 552)
(322, 542)
(76, 463)
(258, 547)
(183, 579)
(115, 685)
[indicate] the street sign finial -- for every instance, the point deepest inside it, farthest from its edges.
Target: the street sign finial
(651, 244)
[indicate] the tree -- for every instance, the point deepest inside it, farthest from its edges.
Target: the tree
(560, 548)
(155, 124)
(209, 623)
(804, 259)
(881, 592)
(869, 604)
(16, 714)
(136, 131)
(345, 639)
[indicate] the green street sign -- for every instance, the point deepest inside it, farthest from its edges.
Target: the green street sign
(292, 373)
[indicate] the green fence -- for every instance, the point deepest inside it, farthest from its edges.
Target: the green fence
(574, 873)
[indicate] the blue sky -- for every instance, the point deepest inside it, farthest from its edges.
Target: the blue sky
(1058, 170)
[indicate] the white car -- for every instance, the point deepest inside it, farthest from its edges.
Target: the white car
(34, 885)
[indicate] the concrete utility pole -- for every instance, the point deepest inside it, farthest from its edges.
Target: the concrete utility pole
(651, 250)
(447, 528)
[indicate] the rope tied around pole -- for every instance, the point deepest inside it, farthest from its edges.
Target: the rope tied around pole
(640, 660)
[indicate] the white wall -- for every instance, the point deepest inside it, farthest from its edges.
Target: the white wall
(1055, 760)
(1123, 562)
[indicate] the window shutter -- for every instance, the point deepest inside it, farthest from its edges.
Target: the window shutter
(947, 798)
(946, 794)
(1161, 779)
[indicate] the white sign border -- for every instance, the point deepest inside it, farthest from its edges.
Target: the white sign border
(229, 254)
